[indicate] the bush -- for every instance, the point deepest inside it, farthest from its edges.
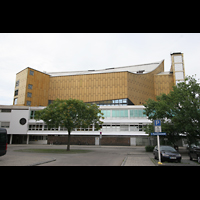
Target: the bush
(149, 148)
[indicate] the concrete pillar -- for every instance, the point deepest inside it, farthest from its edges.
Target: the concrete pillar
(11, 139)
(27, 140)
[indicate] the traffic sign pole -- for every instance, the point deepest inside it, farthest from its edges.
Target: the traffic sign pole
(157, 129)
(158, 142)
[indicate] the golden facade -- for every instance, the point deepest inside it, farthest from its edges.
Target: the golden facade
(136, 83)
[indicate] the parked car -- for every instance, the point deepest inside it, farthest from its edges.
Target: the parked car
(3, 141)
(167, 153)
(194, 152)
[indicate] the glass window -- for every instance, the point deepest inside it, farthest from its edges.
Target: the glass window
(32, 114)
(5, 124)
(119, 113)
(17, 83)
(5, 110)
(106, 113)
(15, 101)
(29, 94)
(30, 86)
(124, 128)
(16, 92)
(31, 72)
(137, 113)
(134, 128)
(28, 103)
(124, 100)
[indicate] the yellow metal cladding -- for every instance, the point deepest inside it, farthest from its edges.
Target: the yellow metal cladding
(40, 88)
(141, 86)
(91, 87)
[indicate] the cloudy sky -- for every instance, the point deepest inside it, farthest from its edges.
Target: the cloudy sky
(75, 51)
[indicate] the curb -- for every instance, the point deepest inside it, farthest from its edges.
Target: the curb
(40, 163)
(124, 161)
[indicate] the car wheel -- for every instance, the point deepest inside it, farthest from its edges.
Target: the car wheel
(198, 159)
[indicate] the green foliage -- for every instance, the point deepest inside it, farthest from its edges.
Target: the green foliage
(179, 111)
(71, 113)
(149, 148)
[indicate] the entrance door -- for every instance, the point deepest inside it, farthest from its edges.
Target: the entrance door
(133, 141)
(96, 140)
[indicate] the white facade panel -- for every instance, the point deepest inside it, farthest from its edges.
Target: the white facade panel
(179, 75)
(178, 59)
(178, 67)
(15, 126)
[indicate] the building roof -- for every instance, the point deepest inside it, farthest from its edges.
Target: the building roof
(141, 69)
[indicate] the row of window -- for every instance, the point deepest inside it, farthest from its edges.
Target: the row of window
(17, 82)
(4, 124)
(123, 113)
(118, 128)
(42, 127)
(105, 128)
(29, 93)
(114, 113)
(115, 102)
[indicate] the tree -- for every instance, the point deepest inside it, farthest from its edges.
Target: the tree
(179, 111)
(70, 114)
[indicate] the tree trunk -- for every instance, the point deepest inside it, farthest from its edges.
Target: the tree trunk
(68, 145)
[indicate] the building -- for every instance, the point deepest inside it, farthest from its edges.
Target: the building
(120, 92)
(123, 125)
(135, 84)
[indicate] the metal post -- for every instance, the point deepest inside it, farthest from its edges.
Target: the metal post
(158, 143)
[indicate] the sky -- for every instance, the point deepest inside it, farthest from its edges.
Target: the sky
(56, 52)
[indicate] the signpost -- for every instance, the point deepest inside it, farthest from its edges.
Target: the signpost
(100, 138)
(157, 131)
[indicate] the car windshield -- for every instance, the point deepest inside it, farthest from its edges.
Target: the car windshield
(167, 148)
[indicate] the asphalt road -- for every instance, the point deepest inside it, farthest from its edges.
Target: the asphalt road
(99, 156)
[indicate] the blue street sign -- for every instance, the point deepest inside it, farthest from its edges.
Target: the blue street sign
(161, 133)
(157, 122)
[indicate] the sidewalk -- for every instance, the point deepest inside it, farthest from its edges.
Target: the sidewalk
(138, 159)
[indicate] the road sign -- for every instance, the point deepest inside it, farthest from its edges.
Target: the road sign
(157, 129)
(157, 122)
(157, 126)
(160, 133)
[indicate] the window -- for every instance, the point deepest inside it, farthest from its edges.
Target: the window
(120, 113)
(29, 94)
(15, 101)
(32, 114)
(115, 102)
(6, 110)
(17, 83)
(115, 128)
(134, 128)
(28, 103)
(124, 128)
(137, 113)
(31, 72)
(4, 124)
(16, 92)
(106, 113)
(30, 86)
